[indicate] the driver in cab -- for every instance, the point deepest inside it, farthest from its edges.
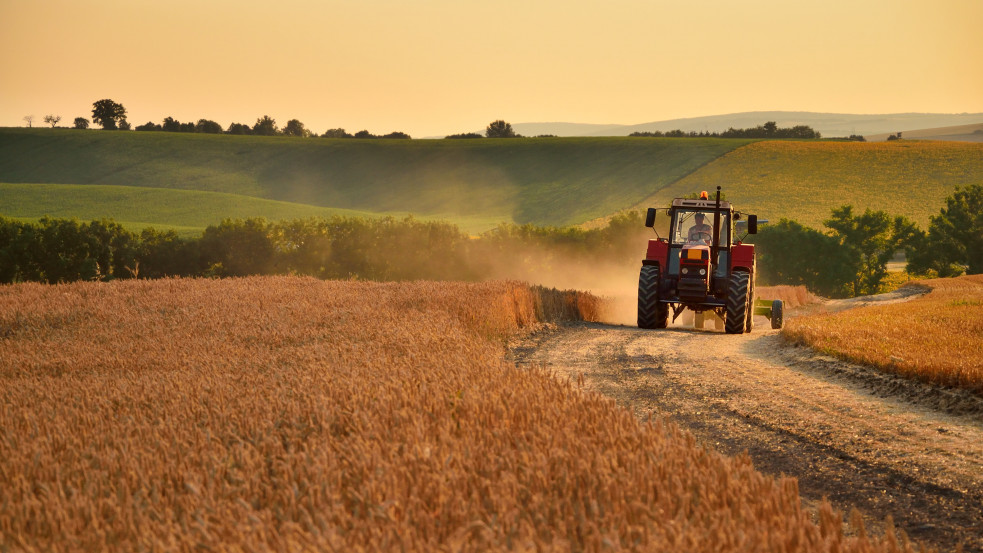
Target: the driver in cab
(700, 232)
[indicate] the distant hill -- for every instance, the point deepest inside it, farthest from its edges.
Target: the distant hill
(828, 124)
(960, 133)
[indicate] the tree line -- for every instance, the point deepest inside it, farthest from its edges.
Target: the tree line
(264, 126)
(768, 130)
(111, 115)
(851, 258)
(65, 250)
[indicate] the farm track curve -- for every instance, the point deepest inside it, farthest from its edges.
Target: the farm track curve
(878, 443)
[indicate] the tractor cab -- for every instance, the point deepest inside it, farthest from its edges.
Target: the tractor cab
(691, 245)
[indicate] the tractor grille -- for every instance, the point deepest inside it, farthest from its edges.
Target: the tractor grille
(694, 288)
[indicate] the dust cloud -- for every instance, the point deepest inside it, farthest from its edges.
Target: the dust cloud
(616, 284)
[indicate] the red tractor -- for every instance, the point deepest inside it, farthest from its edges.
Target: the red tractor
(702, 266)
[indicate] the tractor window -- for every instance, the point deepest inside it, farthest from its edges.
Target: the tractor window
(696, 227)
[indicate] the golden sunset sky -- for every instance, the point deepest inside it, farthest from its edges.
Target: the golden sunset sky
(435, 67)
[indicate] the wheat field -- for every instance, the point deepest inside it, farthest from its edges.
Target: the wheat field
(290, 414)
(936, 338)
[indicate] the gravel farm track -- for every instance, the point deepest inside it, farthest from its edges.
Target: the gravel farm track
(861, 438)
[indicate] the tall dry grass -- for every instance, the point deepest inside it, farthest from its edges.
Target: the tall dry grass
(295, 414)
(935, 338)
(791, 296)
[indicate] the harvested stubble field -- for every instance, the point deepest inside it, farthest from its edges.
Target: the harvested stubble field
(293, 414)
(936, 338)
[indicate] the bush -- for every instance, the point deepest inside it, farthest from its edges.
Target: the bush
(789, 253)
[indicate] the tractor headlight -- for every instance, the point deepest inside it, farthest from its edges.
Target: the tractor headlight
(685, 271)
(703, 272)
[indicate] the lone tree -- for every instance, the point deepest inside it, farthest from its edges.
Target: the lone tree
(29, 119)
(208, 126)
(81, 123)
(295, 128)
(171, 125)
(499, 129)
(871, 239)
(239, 128)
(336, 133)
(52, 120)
(107, 113)
(265, 126)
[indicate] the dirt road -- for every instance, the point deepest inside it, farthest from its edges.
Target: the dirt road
(877, 443)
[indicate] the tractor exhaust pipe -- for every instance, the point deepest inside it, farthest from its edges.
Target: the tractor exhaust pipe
(714, 247)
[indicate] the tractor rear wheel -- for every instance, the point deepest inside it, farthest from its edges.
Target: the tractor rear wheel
(651, 313)
(749, 325)
(737, 303)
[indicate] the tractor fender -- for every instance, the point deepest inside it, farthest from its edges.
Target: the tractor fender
(658, 252)
(742, 258)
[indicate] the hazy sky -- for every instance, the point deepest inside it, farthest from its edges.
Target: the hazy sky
(434, 67)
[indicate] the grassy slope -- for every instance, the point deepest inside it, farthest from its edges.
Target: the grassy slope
(555, 181)
(805, 180)
(185, 211)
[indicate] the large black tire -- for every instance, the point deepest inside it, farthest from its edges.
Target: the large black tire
(749, 326)
(651, 313)
(777, 314)
(737, 303)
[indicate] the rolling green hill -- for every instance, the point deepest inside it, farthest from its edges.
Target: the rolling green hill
(552, 181)
(805, 180)
(187, 212)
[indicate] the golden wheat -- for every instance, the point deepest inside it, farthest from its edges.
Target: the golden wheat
(935, 338)
(291, 414)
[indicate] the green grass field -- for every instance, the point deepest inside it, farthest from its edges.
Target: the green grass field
(805, 180)
(554, 181)
(187, 212)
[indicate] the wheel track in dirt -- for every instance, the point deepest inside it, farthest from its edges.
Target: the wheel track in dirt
(863, 439)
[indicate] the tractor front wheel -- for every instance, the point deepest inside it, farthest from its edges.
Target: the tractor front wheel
(651, 313)
(737, 303)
